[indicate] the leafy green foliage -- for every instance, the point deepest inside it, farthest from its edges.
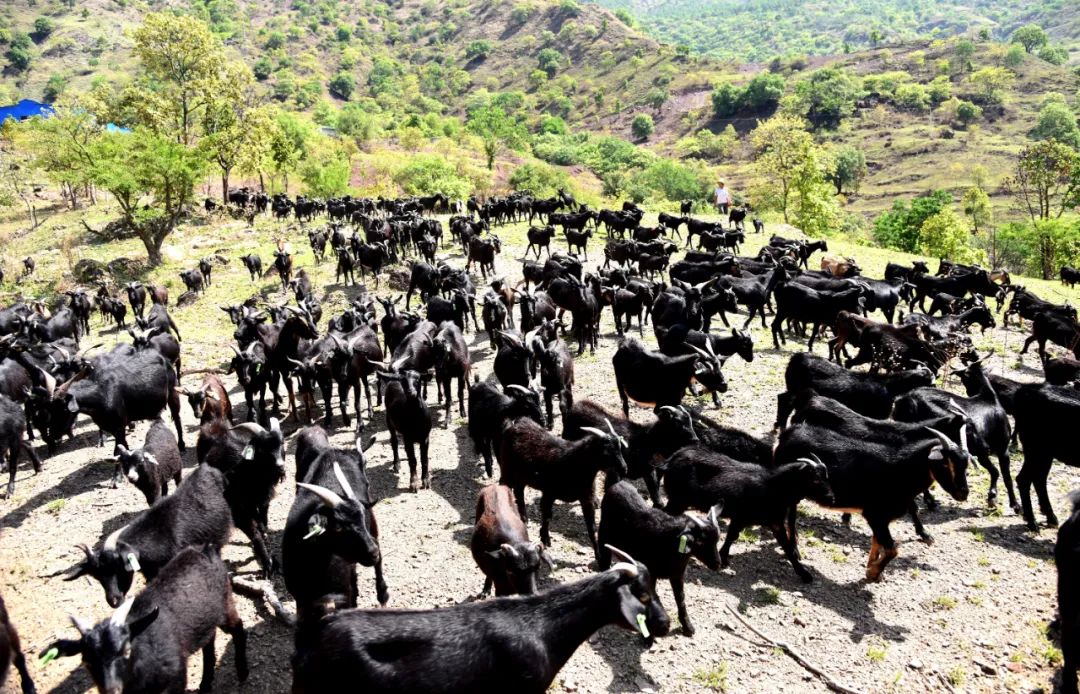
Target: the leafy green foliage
(967, 113)
(760, 95)
(944, 235)
(1057, 121)
(342, 85)
(900, 227)
(828, 96)
(1031, 37)
(539, 178)
(427, 174)
(549, 61)
(642, 126)
(849, 169)
(43, 28)
(478, 50)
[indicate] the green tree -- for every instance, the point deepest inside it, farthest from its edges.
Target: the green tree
(355, 122)
(962, 55)
(828, 96)
(657, 97)
(151, 177)
(342, 85)
(900, 226)
(18, 53)
(182, 56)
(428, 174)
(944, 235)
(1056, 121)
(325, 168)
(763, 92)
(642, 126)
(913, 97)
(1030, 36)
(549, 61)
(495, 129)
(784, 151)
(967, 113)
(43, 28)
(54, 87)
(478, 50)
(726, 100)
(235, 128)
(849, 169)
(262, 69)
(992, 82)
(289, 144)
(542, 180)
(1046, 180)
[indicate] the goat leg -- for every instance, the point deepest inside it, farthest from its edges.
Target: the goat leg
(680, 604)
(208, 662)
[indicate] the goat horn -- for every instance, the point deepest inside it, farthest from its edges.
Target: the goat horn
(297, 362)
(329, 498)
(250, 427)
(596, 432)
(515, 386)
(344, 482)
(112, 539)
(234, 349)
(275, 425)
(611, 429)
(956, 409)
(963, 438)
(81, 625)
(510, 548)
(714, 515)
(669, 407)
(815, 464)
(945, 440)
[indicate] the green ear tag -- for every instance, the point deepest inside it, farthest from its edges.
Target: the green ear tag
(249, 453)
(683, 549)
(133, 563)
(641, 626)
(49, 656)
(315, 528)
(258, 368)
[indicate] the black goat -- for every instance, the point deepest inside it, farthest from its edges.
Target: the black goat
(451, 361)
(331, 525)
(407, 416)
(748, 493)
(151, 467)
(490, 409)
(879, 480)
(662, 542)
(253, 263)
(12, 429)
(11, 652)
(253, 460)
(868, 394)
(561, 470)
(194, 515)
(514, 643)
(145, 644)
(1067, 559)
(556, 376)
(652, 379)
(1041, 411)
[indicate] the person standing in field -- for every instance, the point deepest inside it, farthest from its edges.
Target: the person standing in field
(723, 198)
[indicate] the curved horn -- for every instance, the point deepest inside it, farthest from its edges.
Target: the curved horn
(120, 616)
(344, 482)
(963, 438)
(611, 429)
(82, 625)
(250, 427)
(112, 539)
(674, 410)
(510, 548)
(624, 563)
(714, 515)
(329, 498)
(235, 350)
(945, 440)
(815, 464)
(596, 432)
(523, 389)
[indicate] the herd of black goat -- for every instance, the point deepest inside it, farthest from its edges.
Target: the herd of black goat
(868, 441)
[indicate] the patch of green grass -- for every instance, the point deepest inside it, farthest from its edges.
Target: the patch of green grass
(945, 602)
(837, 556)
(876, 652)
(1048, 651)
(983, 560)
(957, 676)
(767, 595)
(55, 506)
(976, 534)
(975, 600)
(715, 679)
(748, 535)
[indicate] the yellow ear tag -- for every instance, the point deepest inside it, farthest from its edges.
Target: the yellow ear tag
(49, 656)
(683, 549)
(249, 453)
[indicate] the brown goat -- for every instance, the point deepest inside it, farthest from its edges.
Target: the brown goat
(210, 401)
(501, 547)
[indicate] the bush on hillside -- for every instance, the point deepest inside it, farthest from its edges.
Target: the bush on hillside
(899, 228)
(427, 174)
(540, 179)
(642, 126)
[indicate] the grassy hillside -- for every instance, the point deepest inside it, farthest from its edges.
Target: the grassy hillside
(757, 30)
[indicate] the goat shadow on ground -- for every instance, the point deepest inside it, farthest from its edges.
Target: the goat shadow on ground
(622, 650)
(88, 476)
(1017, 538)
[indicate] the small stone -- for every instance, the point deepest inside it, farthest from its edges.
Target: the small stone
(915, 665)
(569, 685)
(799, 621)
(644, 685)
(1015, 667)
(986, 667)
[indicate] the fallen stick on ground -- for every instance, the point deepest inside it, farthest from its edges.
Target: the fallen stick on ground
(795, 655)
(265, 592)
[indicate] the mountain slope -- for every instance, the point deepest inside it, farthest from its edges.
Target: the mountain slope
(757, 30)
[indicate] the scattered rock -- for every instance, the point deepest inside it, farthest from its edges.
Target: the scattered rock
(915, 665)
(87, 271)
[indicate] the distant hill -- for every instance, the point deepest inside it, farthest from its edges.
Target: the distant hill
(758, 30)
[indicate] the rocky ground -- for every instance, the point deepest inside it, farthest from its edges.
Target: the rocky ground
(967, 613)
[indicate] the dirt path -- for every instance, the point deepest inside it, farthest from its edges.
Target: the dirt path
(966, 613)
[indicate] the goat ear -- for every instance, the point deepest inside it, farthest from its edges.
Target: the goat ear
(72, 406)
(139, 625)
(63, 648)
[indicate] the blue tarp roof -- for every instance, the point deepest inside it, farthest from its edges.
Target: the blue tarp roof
(26, 108)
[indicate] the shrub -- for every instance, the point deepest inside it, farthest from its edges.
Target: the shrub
(1055, 55)
(275, 41)
(342, 85)
(43, 27)
(913, 97)
(262, 69)
(1014, 56)
(642, 126)
(478, 50)
(541, 179)
(427, 174)
(726, 99)
(549, 61)
(967, 112)
(553, 125)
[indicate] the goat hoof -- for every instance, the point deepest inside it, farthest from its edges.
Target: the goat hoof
(427, 483)
(927, 539)
(687, 631)
(414, 486)
(805, 576)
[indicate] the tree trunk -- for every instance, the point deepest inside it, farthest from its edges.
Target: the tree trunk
(225, 186)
